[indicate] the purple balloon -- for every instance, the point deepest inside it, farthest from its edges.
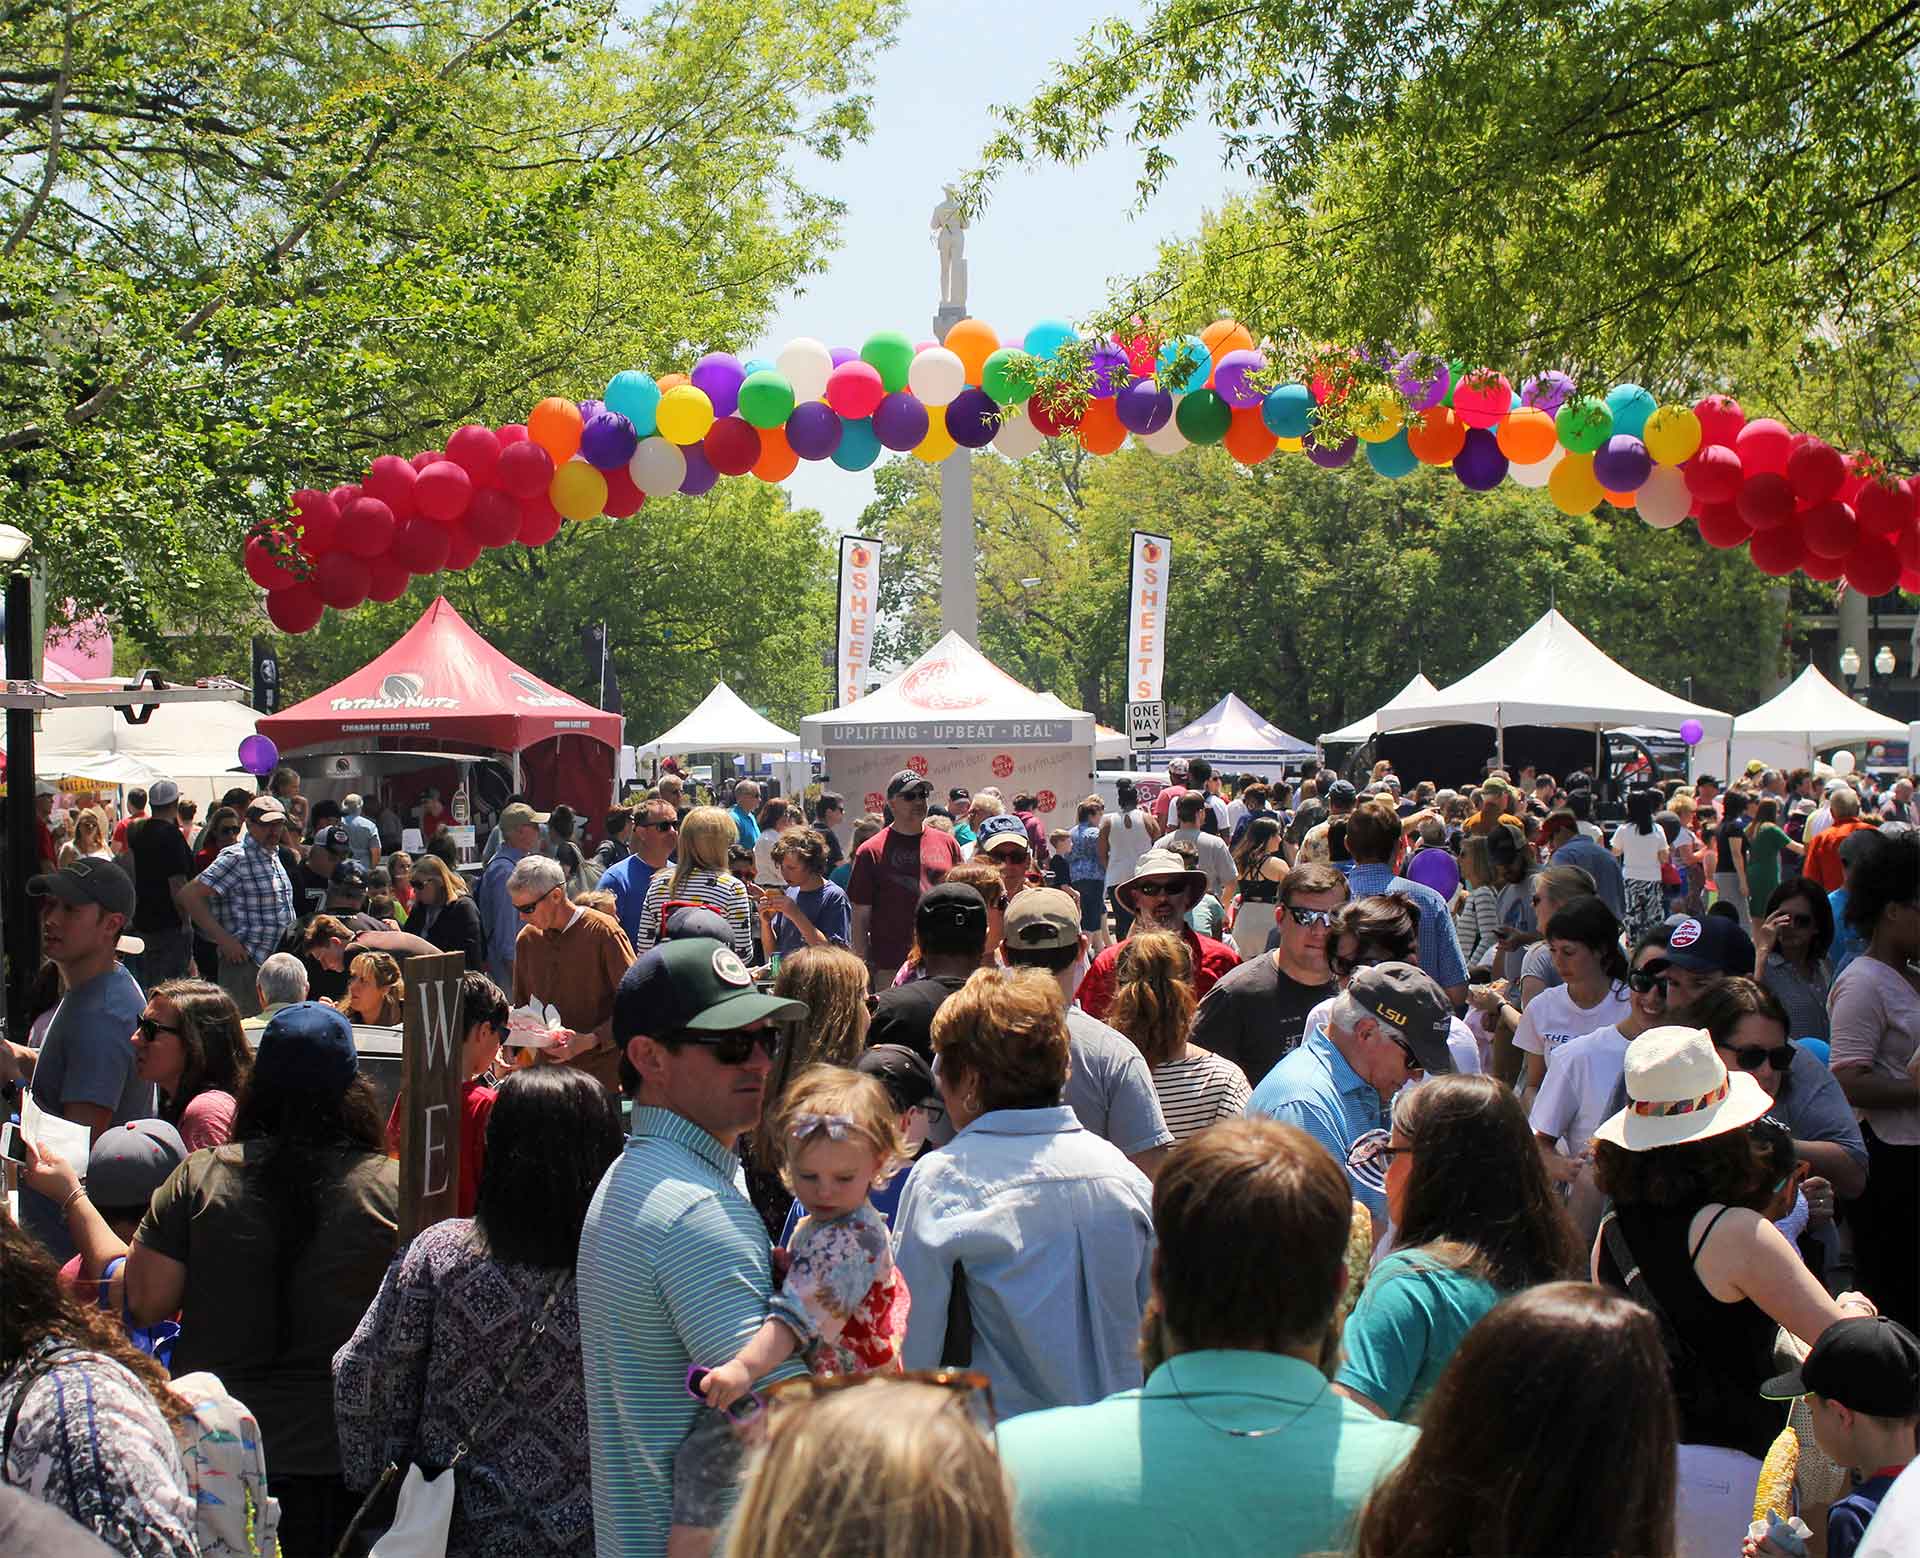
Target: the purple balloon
(1230, 375)
(1110, 370)
(608, 440)
(1332, 459)
(1421, 393)
(841, 354)
(1692, 732)
(720, 375)
(1480, 465)
(589, 409)
(258, 754)
(973, 419)
(813, 430)
(1143, 407)
(1622, 464)
(900, 421)
(700, 475)
(1547, 392)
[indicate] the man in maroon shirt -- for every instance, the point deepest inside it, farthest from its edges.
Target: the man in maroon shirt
(890, 872)
(1159, 894)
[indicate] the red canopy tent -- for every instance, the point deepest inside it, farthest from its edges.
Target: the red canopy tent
(444, 688)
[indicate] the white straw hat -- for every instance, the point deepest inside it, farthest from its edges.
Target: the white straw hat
(1679, 1090)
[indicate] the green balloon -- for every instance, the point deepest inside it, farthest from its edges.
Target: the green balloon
(890, 353)
(1008, 377)
(1456, 371)
(1584, 425)
(1202, 417)
(766, 399)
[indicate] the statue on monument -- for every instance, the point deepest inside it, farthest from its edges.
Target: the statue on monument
(949, 228)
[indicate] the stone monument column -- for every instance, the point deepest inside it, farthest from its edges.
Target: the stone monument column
(959, 584)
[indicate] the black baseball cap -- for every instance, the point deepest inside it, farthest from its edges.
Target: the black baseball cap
(1712, 944)
(87, 881)
(907, 779)
(948, 909)
(958, 794)
(336, 840)
(1868, 1363)
(348, 876)
(905, 1075)
(692, 985)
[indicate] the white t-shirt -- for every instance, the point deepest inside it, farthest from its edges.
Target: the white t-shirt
(1592, 831)
(1552, 1018)
(1574, 1094)
(1640, 852)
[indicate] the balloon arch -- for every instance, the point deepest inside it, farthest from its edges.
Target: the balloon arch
(1794, 501)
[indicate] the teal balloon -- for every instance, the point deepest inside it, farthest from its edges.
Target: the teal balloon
(859, 445)
(889, 353)
(1391, 457)
(1202, 417)
(1007, 377)
(1050, 337)
(636, 397)
(1631, 406)
(755, 365)
(766, 398)
(1288, 411)
(1200, 360)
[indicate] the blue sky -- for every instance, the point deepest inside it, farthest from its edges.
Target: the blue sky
(1045, 247)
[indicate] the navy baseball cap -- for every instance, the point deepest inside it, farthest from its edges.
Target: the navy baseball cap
(334, 839)
(86, 881)
(307, 1047)
(693, 920)
(349, 873)
(1711, 944)
(692, 985)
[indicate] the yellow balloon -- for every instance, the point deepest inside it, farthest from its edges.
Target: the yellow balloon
(1573, 486)
(577, 490)
(1377, 419)
(1672, 435)
(938, 443)
(683, 415)
(1291, 445)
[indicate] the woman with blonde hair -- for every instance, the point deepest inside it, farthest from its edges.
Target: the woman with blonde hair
(444, 911)
(880, 1468)
(89, 839)
(376, 994)
(1153, 1004)
(700, 878)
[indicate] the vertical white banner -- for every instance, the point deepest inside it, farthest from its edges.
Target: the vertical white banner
(859, 608)
(1147, 616)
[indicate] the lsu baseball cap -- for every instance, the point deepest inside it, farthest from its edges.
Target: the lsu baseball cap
(518, 815)
(907, 779)
(131, 1161)
(1409, 1002)
(692, 985)
(1003, 828)
(1042, 919)
(266, 808)
(87, 881)
(1711, 944)
(1868, 1363)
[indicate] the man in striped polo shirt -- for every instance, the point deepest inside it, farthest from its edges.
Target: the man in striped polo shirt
(675, 1268)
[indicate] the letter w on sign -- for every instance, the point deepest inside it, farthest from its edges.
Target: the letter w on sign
(430, 1092)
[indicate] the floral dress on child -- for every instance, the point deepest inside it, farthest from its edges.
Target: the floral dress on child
(842, 1282)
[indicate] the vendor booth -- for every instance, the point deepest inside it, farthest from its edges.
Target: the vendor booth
(442, 693)
(958, 719)
(723, 725)
(1361, 731)
(1807, 717)
(1236, 740)
(197, 745)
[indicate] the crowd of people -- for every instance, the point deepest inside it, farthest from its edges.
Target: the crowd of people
(1256, 1167)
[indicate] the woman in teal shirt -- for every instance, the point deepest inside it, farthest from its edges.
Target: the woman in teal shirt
(1475, 1218)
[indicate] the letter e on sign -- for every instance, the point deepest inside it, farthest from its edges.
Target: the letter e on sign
(430, 1092)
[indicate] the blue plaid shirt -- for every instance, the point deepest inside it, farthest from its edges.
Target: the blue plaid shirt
(252, 897)
(1439, 942)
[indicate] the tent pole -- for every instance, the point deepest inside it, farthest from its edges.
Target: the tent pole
(1499, 739)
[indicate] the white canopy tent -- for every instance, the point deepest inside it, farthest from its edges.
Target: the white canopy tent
(197, 745)
(1107, 742)
(722, 723)
(1808, 716)
(1417, 692)
(1232, 735)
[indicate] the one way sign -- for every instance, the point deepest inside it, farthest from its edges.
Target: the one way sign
(1146, 724)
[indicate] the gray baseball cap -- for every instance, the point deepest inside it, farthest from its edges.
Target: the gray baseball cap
(1413, 1006)
(131, 1161)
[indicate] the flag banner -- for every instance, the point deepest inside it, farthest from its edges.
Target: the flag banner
(859, 607)
(1147, 616)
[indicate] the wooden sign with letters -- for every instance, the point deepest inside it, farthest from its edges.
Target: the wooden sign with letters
(430, 1081)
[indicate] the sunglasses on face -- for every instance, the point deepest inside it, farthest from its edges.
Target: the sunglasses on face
(1643, 983)
(1751, 1057)
(525, 910)
(1800, 921)
(1157, 889)
(735, 1049)
(1310, 917)
(1007, 857)
(668, 826)
(147, 1030)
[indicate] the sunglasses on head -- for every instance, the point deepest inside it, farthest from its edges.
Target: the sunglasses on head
(735, 1049)
(1310, 917)
(1751, 1057)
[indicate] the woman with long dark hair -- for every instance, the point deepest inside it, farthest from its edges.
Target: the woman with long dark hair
(1262, 867)
(1475, 1218)
(1791, 938)
(443, 911)
(271, 1247)
(473, 1298)
(1767, 844)
(1730, 857)
(1564, 1364)
(190, 1046)
(1584, 940)
(1641, 847)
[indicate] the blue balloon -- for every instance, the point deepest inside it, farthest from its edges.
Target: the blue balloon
(636, 397)
(755, 365)
(1048, 337)
(859, 445)
(1288, 411)
(1631, 406)
(1392, 458)
(1195, 350)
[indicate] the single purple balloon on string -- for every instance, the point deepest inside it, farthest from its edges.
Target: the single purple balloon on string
(1547, 392)
(700, 475)
(1110, 370)
(258, 754)
(972, 419)
(1692, 732)
(813, 431)
(900, 421)
(1480, 465)
(1422, 385)
(1231, 374)
(1331, 459)
(1622, 464)
(719, 376)
(608, 440)
(1143, 407)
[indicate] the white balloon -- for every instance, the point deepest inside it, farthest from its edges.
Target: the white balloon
(1018, 436)
(1168, 440)
(1663, 499)
(936, 376)
(1536, 475)
(1843, 762)
(806, 363)
(657, 467)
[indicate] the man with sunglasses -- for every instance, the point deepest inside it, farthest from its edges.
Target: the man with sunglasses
(1159, 895)
(571, 959)
(650, 842)
(674, 1266)
(891, 871)
(1258, 1011)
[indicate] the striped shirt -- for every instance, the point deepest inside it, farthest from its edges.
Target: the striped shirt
(1201, 1090)
(721, 892)
(252, 897)
(675, 1269)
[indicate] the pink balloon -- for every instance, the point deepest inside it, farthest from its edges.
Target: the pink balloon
(855, 389)
(1764, 446)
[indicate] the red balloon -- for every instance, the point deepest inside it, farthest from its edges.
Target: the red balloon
(341, 579)
(1830, 529)
(421, 545)
(1777, 551)
(319, 520)
(344, 494)
(1713, 475)
(854, 389)
(1053, 423)
(1764, 445)
(1720, 420)
(1766, 500)
(425, 458)
(1910, 580)
(1884, 509)
(1873, 567)
(494, 518)
(267, 561)
(366, 529)
(389, 578)
(511, 433)
(539, 520)
(443, 491)
(1721, 525)
(391, 480)
(1908, 546)
(623, 497)
(1816, 471)
(525, 469)
(476, 450)
(295, 609)
(462, 549)
(733, 446)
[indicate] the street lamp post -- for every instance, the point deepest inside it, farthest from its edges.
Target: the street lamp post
(22, 926)
(1850, 669)
(1883, 661)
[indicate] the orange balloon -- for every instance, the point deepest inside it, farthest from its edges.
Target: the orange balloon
(973, 342)
(1438, 438)
(668, 381)
(1527, 436)
(777, 460)
(554, 425)
(1226, 335)
(1622, 500)
(1100, 430)
(1248, 439)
